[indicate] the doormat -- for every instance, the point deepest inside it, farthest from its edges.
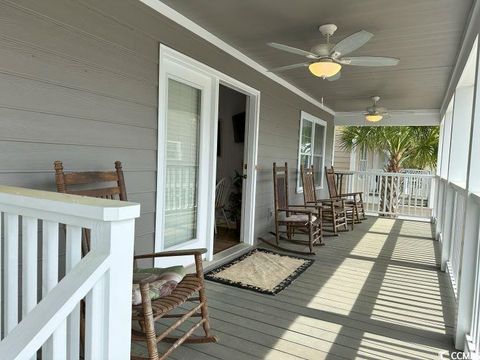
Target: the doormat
(260, 270)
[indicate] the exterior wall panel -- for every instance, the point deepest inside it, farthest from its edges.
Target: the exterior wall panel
(79, 83)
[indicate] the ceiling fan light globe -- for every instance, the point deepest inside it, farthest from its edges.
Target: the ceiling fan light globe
(324, 68)
(373, 117)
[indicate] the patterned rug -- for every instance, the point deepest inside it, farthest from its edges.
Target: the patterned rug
(260, 270)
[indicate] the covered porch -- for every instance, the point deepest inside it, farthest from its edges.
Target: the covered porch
(376, 293)
(90, 82)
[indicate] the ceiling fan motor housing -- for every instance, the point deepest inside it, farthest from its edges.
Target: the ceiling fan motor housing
(322, 49)
(327, 29)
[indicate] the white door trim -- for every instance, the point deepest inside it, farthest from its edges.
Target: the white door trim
(253, 110)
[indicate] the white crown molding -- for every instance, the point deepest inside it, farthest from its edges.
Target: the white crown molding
(420, 117)
(180, 19)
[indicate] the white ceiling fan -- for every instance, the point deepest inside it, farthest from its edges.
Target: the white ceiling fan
(326, 59)
(375, 113)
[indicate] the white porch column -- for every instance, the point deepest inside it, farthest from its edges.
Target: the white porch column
(470, 252)
(447, 225)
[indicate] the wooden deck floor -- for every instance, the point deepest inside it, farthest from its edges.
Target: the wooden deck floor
(375, 293)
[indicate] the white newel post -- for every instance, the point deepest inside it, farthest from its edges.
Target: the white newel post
(110, 324)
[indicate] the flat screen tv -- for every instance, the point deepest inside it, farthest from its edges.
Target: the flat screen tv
(239, 127)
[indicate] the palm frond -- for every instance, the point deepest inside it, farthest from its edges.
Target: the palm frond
(411, 146)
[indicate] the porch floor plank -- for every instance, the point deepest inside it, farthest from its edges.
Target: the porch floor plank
(374, 293)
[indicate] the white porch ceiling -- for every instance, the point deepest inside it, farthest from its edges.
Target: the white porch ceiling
(425, 35)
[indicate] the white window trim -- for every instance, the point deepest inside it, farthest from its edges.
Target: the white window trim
(314, 120)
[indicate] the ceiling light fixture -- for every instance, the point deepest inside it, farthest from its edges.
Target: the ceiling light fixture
(324, 68)
(373, 117)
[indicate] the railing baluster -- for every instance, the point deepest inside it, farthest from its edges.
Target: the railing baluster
(416, 196)
(73, 257)
(384, 192)
(29, 264)
(50, 274)
(11, 272)
(399, 194)
(95, 322)
(392, 190)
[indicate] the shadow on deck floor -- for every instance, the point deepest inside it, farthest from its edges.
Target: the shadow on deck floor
(374, 293)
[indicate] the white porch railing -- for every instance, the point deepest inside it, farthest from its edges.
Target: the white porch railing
(181, 187)
(393, 194)
(457, 214)
(51, 321)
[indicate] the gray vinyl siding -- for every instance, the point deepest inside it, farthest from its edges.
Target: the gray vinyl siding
(341, 160)
(79, 83)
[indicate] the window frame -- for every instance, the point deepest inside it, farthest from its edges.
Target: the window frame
(304, 116)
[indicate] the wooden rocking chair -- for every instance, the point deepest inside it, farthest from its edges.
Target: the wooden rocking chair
(292, 219)
(149, 311)
(353, 201)
(334, 211)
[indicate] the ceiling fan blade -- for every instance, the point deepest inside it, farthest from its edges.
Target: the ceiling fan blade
(352, 43)
(288, 67)
(292, 50)
(369, 61)
(335, 77)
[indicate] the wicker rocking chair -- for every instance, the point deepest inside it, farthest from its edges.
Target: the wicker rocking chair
(293, 219)
(334, 211)
(149, 311)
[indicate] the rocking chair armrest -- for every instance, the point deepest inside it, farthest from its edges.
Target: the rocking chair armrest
(317, 202)
(354, 194)
(172, 253)
(331, 201)
(313, 204)
(295, 211)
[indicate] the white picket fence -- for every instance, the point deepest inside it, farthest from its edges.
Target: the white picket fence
(49, 320)
(393, 194)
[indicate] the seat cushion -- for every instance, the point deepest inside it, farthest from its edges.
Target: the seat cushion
(185, 290)
(167, 280)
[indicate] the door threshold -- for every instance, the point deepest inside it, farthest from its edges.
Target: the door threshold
(224, 256)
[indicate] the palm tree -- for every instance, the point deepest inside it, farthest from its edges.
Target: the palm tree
(406, 146)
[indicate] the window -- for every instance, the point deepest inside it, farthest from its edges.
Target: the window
(311, 148)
